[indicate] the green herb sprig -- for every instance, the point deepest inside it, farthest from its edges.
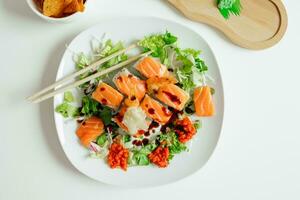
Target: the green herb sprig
(227, 7)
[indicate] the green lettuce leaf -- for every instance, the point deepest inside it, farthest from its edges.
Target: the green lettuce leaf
(191, 63)
(68, 97)
(101, 140)
(198, 124)
(140, 157)
(67, 110)
(90, 107)
(172, 142)
(106, 115)
(126, 138)
(157, 43)
(200, 65)
(82, 61)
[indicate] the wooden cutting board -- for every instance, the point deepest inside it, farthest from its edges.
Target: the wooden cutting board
(262, 23)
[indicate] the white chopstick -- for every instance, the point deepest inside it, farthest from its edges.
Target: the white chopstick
(75, 74)
(89, 78)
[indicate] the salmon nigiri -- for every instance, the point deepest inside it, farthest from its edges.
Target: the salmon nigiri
(107, 95)
(149, 67)
(155, 110)
(173, 96)
(130, 85)
(89, 130)
(204, 105)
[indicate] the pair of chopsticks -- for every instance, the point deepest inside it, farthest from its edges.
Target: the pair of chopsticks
(61, 86)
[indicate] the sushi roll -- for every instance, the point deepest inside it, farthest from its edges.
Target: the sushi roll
(107, 95)
(130, 85)
(156, 110)
(149, 67)
(154, 83)
(173, 96)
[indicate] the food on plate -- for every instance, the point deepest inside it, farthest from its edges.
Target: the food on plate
(131, 101)
(107, 95)
(59, 8)
(89, 130)
(173, 96)
(156, 110)
(118, 156)
(184, 129)
(130, 85)
(204, 104)
(149, 67)
(142, 114)
(160, 156)
(135, 120)
(118, 119)
(154, 83)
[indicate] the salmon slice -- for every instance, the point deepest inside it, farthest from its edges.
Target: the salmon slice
(119, 118)
(107, 95)
(130, 85)
(89, 130)
(173, 96)
(149, 67)
(203, 101)
(155, 110)
(131, 101)
(154, 83)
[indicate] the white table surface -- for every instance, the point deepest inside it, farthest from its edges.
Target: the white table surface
(258, 155)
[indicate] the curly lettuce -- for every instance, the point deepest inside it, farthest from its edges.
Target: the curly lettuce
(66, 109)
(140, 157)
(157, 44)
(172, 142)
(191, 66)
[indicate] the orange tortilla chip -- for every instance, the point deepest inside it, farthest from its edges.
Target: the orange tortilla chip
(53, 7)
(67, 2)
(74, 6)
(81, 5)
(39, 4)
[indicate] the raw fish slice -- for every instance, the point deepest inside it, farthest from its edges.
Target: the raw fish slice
(155, 110)
(173, 96)
(203, 101)
(107, 95)
(130, 85)
(154, 83)
(149, 67)
(89, 130)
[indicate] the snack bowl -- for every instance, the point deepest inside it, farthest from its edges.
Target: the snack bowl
(69, 18)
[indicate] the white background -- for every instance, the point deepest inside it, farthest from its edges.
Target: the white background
(258, 155)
